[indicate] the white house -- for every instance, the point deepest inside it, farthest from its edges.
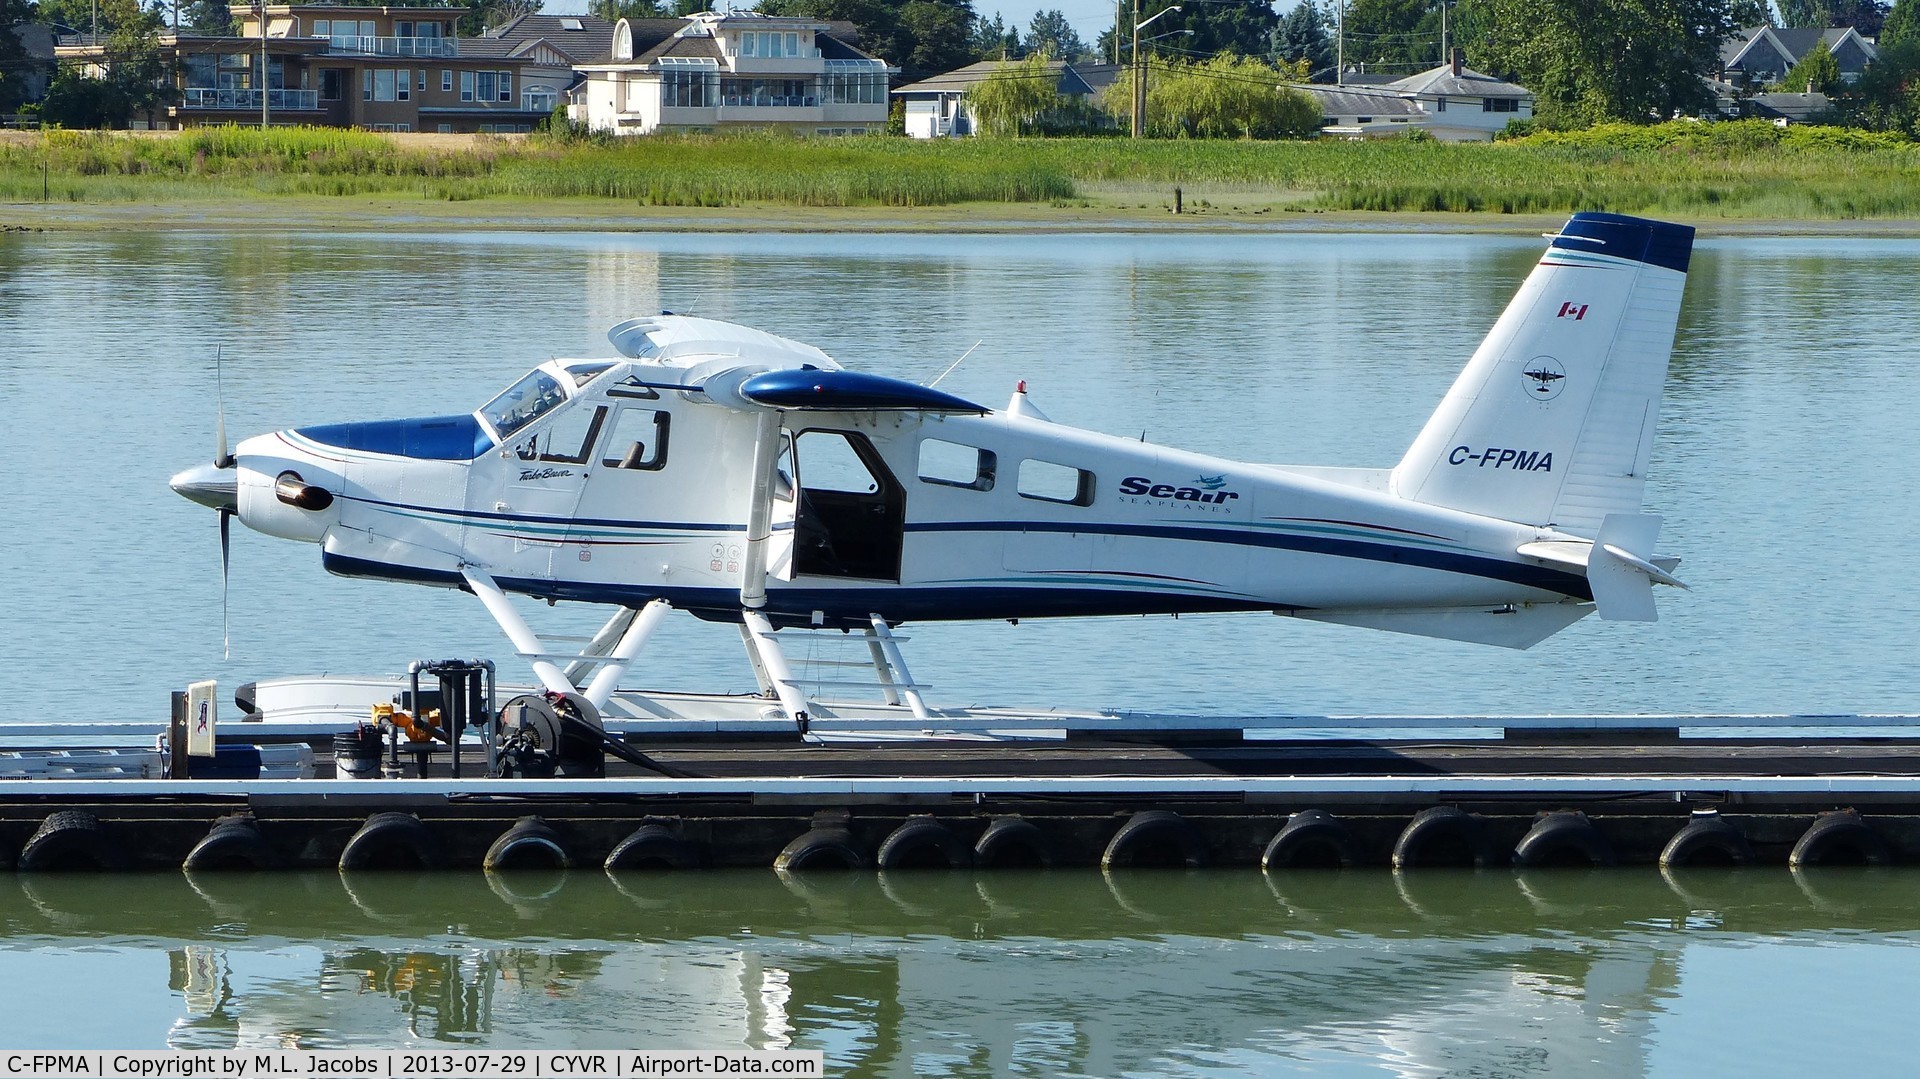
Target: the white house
(937, 108)
(1363, 112)
(738, 69)
(1462, 104)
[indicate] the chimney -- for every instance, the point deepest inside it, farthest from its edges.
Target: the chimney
(1459, 59)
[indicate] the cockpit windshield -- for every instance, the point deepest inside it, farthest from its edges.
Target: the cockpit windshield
(524, 402)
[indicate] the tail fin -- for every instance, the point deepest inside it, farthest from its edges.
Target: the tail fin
(1552, 421)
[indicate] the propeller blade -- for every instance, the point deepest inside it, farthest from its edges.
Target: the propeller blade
(226, 536)
(221, 458)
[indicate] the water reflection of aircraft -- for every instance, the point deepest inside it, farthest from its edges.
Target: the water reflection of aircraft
(1046, 972)
(751, 479)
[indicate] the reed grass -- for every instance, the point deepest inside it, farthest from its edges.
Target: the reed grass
(1701, 170)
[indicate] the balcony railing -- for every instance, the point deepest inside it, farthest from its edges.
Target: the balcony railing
(207, 97)
(769, 101)
(393, 46)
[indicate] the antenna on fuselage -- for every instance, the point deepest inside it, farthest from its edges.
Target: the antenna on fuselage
(956, 363)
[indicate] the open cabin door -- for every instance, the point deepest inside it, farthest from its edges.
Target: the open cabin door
(849, 511)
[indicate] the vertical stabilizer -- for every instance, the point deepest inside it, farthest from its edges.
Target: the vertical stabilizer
(1552, 421)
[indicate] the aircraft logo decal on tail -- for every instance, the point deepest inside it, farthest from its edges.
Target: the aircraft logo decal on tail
(1546, 377)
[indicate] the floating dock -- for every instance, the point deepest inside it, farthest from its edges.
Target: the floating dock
(983, 788)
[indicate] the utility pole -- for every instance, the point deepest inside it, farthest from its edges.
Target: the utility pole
(1140, 71)
(1340, 45)
(264, 114)
(1139, 79)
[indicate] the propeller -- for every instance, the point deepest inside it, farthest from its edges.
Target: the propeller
(223, 459)
(216, 486)
(226, 623)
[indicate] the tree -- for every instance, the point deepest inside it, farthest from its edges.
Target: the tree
(1866, 16)
(937, 34)
(1240, 27)
(1887, 95)
(1397, 36)
(921, 37)
(15, 64)
(133, 78)
(1224, 97)
(995, 40)
(505, 11)
(1806, 13)
(1014, 98)
(210, 17)
(1302, 36)
(615, 10)
(1633, 60)
(1901, 24)
(1050, 34)
(1815, 72)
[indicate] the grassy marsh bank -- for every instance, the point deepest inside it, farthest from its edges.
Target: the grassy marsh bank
(1721, 171)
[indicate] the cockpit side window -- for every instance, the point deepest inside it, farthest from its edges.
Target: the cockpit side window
(584, 373)
(523, 402)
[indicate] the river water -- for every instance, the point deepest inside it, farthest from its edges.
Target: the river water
(1784, 468)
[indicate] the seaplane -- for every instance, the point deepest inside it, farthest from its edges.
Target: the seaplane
(743, 477)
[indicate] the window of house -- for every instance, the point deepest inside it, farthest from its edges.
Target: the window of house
(466, 86)
(639, 440)
(446, 80)
(383, 84)
(1045, 481)
(322, 28)
(950, 464)
(489, 86)
(446, 129)
(422, 85)
(506, 86)
(330, 83)
(686, 89)
(1440, 106)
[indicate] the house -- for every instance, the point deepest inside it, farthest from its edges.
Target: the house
(738, 69)
(1762, 55)
(1462, 104)
(1358, 112)
(936, 108)
(380, 68)
(1789, 108)
(547, 48)
(28, 82)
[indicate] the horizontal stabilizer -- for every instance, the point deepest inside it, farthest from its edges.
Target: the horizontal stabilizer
(1518, 626)
(1619, 564)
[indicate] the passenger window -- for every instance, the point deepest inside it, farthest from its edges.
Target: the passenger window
(1045, 481)
(950, 464)
(639, 440)
(571, 437)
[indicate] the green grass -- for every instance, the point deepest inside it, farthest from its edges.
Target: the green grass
(1747, 169)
